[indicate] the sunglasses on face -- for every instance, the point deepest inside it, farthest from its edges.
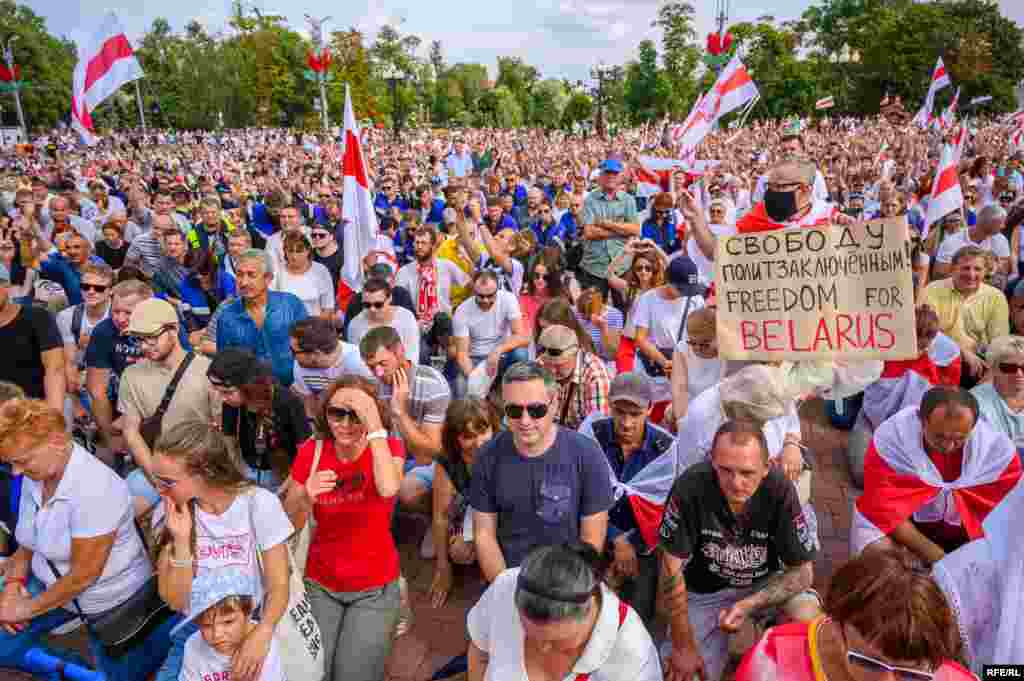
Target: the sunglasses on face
(220, 386)
(874, 666)
(319, 235)
(164, 483)
(536, 411)
(643, 268)
(1010, 367)
(98, 288)
(377, 305)
(484, 297)
(339, 414)
(554, 352)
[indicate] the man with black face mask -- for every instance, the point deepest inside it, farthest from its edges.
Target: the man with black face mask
(788, 202)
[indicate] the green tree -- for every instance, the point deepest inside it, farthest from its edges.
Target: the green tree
(647, 90)
(680, 53)
(549, 100)
(499, 108)
(520, 78)
(578, 109)
(787, 84)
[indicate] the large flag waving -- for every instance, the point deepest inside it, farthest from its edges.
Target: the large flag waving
(940, 79)
(105, 63)
(733, 89)
(948, 117)
(357, 207)
(654, 174)
(947, 195)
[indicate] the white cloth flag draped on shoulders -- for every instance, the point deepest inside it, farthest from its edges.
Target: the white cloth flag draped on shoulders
(105, 63)
(360, 230)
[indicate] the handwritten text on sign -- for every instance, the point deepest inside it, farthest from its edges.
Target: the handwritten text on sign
(833, 291)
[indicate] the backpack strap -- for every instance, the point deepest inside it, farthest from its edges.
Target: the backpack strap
(76, 322)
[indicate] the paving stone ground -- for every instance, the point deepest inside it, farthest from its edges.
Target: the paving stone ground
(438, 634)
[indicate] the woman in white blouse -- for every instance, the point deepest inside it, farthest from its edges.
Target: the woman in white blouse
(308, 280)
(553, 618)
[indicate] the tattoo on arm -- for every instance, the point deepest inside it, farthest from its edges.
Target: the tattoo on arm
(780, 588)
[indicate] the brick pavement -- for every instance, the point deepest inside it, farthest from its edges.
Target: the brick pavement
(439, 634)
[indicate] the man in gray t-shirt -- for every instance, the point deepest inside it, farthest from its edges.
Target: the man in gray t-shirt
(418, 397)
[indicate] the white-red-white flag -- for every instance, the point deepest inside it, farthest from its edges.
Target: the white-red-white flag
(105, 63)
(654, 175)
(940, 79)
(360, 230)
(948, 117)
(679, 130)
(732, 90)
(947, 195)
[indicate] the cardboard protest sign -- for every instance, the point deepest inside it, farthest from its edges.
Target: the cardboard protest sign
(812, 293)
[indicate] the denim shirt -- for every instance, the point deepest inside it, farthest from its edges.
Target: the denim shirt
(237, 329)
(664, 236)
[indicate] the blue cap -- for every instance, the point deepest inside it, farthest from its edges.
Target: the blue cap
(214, 586)
(611, 166)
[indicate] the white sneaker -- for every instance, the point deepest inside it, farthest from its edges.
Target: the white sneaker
(427, 550)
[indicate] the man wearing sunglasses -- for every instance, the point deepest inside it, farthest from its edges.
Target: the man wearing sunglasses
(535, 484)
(582, 377)
(987, 235)
(950, 469)
(154, 324)
(736, 545)
(661, 226)
(379, 310)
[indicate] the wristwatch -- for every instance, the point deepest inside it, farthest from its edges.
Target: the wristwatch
(377, 435)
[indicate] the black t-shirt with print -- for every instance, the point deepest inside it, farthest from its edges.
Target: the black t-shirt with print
(723, 551)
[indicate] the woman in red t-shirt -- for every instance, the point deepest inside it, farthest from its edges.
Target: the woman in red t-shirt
(352, 571)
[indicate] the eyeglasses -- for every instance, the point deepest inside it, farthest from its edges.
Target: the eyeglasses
(319, 235)
(98, 288)
(871, 665)
(536, 411)
(339, 414)
(164, 483)
(554, 352)
(377, 305)
(149, 341)
(484, 297)
(1010, 367)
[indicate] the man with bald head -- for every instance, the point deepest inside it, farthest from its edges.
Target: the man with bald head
(987, 235)
(788, 202)
(60, 219)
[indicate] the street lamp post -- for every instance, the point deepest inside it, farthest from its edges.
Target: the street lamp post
(9, 58)
(394, 77)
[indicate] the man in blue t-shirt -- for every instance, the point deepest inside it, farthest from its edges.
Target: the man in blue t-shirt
(537, 484)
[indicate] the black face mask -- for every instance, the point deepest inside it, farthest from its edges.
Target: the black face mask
(780, 206)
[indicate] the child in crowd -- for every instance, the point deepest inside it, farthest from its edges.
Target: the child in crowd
(222, 605)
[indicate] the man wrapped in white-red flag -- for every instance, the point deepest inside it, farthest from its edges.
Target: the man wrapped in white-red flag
(105, 63)
(360, 231)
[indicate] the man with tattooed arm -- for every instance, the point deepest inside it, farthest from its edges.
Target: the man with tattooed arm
(735, 545)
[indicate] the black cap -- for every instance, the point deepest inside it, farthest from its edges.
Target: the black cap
(682, 275)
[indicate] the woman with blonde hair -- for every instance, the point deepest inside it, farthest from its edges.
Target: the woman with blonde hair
(213, 517)
(80, 553)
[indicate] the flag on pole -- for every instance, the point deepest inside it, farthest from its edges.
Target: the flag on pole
(654, 175)
(946, 195)
(106, 62)
(825, 103)
(940, 79)
(733, 89)
(360, 230)
(948, 117)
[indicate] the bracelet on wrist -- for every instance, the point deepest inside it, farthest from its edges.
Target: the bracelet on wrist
(182, 563)
(15, 580)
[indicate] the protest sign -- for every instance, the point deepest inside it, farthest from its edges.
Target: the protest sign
(842, 292)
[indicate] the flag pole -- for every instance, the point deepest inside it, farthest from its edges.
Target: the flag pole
(138, 101)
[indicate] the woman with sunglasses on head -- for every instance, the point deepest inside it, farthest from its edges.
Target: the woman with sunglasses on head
(468, 426)
(211, 518)
(265, 421)
(555, 618)
(348, 478)
(310, 281)
(883, 619)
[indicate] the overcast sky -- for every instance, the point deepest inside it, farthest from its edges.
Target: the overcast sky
(561, 37)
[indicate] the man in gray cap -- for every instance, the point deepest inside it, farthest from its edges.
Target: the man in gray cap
(637, 451)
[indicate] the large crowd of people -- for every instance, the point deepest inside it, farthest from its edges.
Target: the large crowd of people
(199, 408)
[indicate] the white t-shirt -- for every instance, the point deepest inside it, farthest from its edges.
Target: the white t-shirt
(486, 330)
(403, 321)
(314, 287)
(663, 320)
(614, 652)
(705, 267)
(90, 501)
(275, 246)
(200, 662)
(254, 521)
(996, 244)
(701, 373)
(315, 381)
(64, 319)
(507, 281)
(448, 275)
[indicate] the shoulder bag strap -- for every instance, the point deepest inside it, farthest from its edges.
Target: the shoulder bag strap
(74, 601)
(682, 324)
(172, 386)
(76, 322)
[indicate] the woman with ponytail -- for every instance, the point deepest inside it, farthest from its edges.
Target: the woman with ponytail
(553, 617)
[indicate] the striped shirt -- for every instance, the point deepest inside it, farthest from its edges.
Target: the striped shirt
(315, 381)
(429, 396)
(148, 251)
